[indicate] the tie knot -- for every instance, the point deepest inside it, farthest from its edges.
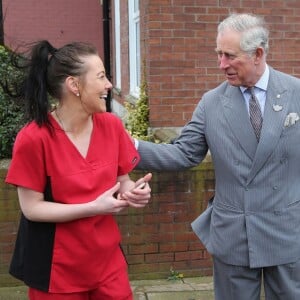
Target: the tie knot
(250, 90)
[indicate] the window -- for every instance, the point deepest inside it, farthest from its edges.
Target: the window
(134, 46)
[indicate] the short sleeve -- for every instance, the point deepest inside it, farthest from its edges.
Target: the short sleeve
(27, 167)
(128, 155)
(122, 145)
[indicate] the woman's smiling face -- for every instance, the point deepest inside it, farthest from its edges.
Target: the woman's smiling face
(94, 85)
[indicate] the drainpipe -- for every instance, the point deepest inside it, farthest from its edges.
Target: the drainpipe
(106, 43)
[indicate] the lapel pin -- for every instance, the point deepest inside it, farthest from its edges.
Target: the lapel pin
(277, 107)
(278, 96)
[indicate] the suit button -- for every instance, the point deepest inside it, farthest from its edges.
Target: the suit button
(283, 160)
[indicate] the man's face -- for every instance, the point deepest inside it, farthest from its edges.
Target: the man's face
(239, 67)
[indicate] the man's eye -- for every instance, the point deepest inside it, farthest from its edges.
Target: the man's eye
(231, 56)
(227, 55)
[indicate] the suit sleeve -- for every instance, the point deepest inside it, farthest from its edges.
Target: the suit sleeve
(187, 151)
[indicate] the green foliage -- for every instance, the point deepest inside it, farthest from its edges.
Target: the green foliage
(174, 275)
(11, 111)
(137, 121)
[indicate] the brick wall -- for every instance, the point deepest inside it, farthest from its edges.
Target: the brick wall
(58, 21)
(155, 239)
(159, 237)
(178, 42)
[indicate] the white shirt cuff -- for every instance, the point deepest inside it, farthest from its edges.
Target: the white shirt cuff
(136, 144)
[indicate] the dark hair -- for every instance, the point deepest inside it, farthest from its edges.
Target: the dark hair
(47, 68)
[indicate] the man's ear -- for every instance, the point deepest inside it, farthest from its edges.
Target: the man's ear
(259, 54)
(73, 85)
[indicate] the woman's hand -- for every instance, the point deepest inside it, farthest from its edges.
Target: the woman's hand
(140, 194)
(106, 203)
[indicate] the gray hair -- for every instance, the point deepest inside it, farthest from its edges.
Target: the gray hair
(253, 28)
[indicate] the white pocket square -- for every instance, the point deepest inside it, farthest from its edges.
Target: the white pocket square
(291, 119)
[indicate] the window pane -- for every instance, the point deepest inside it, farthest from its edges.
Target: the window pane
(136, 5)
(138, 54)
(134, 46)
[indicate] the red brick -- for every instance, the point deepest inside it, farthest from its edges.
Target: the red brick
(143, 248)
(188, 256)
(160, 257)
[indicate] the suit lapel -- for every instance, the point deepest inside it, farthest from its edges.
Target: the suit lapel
(236, 113)
(276, 109)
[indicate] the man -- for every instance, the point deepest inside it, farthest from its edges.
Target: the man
(252, 227)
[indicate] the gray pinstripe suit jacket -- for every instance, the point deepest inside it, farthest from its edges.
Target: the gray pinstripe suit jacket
(254, 219)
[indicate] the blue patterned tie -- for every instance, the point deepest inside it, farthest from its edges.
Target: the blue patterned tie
(255, 113)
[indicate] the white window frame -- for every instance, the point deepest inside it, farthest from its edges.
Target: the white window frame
(117, 45)
(134, 47)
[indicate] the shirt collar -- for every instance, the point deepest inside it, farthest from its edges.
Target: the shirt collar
(263, 81)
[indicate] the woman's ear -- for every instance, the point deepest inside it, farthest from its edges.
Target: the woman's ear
(73, 85)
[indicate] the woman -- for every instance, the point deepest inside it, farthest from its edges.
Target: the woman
(71, 169)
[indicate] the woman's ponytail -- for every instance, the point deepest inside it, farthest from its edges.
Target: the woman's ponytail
(35, 85)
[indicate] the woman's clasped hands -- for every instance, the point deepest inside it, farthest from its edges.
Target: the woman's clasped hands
(123, 194)
(140, 194)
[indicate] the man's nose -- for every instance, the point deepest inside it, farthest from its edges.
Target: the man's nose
(223, 62)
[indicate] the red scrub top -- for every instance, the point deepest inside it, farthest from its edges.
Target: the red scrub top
(70, 256)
